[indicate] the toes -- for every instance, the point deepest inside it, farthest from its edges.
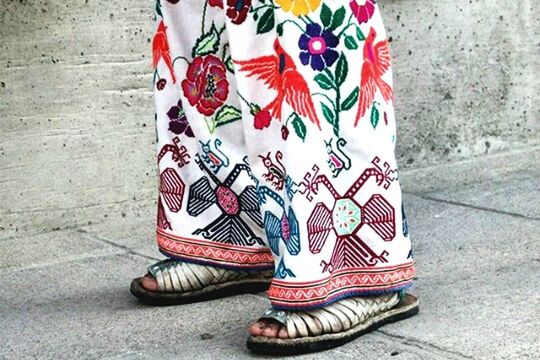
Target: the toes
(271, 330)
(283, 333)
(257, 328)
(149, 283)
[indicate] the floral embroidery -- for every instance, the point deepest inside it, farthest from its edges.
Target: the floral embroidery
(262, 119)
(346, 216)
(237, 10)
(363, 10)
(161, 83)
(216, 3)
(179, 123)
(299, 7)
(318, 47)
(206, 85)
(267, 154)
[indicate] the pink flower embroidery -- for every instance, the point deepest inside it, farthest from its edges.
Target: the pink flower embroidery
(363, 9)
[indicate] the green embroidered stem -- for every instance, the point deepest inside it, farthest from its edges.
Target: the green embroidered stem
(243, 99)
(253, 10)
(338, 110)
(223, 52)
(204, 16)
(221, 30)
(292, 21)
(336, 103)
(289, 118)
(327, 98)
(309, 19)
(346, 26)
(180, 57)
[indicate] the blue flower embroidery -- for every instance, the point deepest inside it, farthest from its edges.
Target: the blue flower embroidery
(317, 47)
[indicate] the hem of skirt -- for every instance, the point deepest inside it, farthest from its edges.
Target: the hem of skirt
(207, 252)
(344, 284)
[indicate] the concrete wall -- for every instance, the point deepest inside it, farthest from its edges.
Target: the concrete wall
(76, 110)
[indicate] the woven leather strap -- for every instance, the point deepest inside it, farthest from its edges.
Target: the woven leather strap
(337, 317)
(177, 276)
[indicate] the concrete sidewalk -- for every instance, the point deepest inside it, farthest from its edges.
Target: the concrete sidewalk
(475, 227)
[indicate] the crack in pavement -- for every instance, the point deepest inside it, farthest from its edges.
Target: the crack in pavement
(119, 246)
(475, 207)
(424, 346)
(43, 232)
(60, 261)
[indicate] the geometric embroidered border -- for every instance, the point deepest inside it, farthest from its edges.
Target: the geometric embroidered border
(339, 284)
(215, 253)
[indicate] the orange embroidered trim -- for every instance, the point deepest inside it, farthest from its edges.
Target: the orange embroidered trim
(341, 284)
(205, 250)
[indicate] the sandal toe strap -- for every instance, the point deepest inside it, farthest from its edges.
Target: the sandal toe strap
(177, 276)
(337, 317)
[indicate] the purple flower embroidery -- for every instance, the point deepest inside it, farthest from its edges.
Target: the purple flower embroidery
(179, 124)
(317, 47)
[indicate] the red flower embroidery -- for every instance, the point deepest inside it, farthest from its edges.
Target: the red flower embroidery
(160, 85)
(284, 132)
(237, 10)
(206, 85)
(262, 119)
(216, 3)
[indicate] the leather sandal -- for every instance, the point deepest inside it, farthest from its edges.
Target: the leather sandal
(333, 325)
(182, 283)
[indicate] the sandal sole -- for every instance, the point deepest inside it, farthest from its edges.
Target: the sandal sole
(217, 291)
(408, 307)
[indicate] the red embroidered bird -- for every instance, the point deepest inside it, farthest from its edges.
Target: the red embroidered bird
(279, 73)
(160, 49)
(376, 63)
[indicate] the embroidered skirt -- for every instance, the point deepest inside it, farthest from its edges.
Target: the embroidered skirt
(276, 135)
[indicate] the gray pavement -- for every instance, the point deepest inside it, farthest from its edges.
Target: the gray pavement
(475, 227)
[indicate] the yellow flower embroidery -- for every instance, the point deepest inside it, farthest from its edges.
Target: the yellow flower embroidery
(299, 7)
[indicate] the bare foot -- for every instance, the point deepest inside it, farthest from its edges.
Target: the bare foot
(268, 328)
(149, 283)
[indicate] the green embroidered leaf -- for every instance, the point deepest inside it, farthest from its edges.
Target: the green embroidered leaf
(326, 15)
(227, 114)
(229, 63)
(350, 43)
(328, 113)
(342, 69)
(350, 100)
(158, 8)
(324, 81)
(337, 19)
(359, 35)
(279, 29)
(210, 124)
(374, 116)
(299, 127)
(266, 22)
(207, 44)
